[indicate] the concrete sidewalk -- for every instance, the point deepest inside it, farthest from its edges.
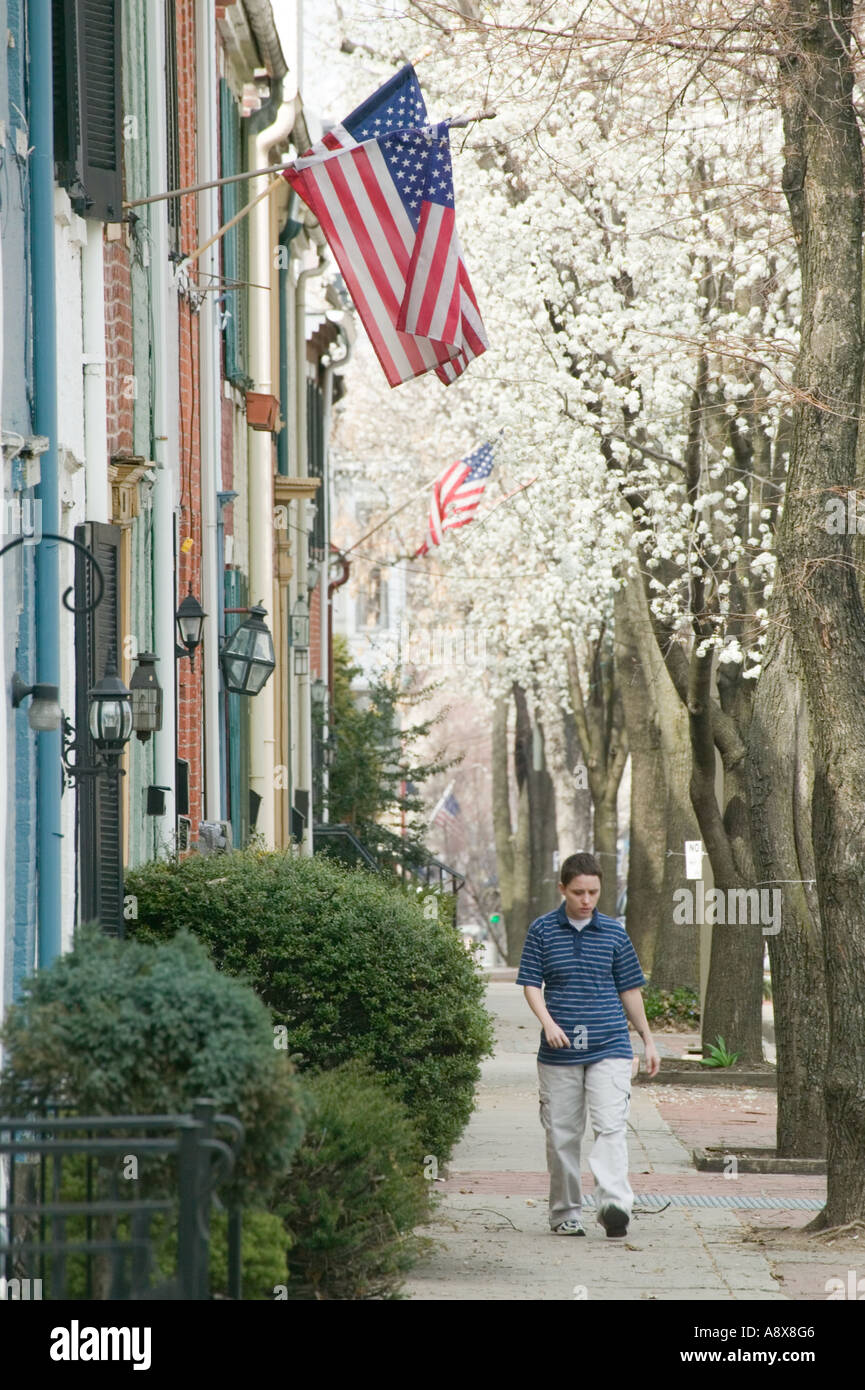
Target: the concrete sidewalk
(491, 1229)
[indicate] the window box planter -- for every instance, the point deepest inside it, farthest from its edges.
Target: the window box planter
(262, 411)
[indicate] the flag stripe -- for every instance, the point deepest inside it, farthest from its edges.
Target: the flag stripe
(381, 185)
(345, 186)
(386, 345)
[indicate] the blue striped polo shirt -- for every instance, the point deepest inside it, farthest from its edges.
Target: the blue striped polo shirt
(583, 974)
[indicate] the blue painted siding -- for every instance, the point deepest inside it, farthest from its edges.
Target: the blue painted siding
(18, 619)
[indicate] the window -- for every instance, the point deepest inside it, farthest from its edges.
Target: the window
(235, 243)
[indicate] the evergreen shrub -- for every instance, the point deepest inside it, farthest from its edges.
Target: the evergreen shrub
(355, 1191)
(351, 966)
(128, 1027)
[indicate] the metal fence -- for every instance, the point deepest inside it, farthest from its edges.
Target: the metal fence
(115, 1206)
(376, 847)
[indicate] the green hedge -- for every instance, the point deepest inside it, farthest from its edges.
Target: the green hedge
(349, 964)
(355, 1191)
(127, 1027)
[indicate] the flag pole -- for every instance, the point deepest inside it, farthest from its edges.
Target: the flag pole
(244, 211)
(202, 187)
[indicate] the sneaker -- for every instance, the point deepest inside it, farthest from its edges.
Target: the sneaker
(569, 1228)
(613, 1220)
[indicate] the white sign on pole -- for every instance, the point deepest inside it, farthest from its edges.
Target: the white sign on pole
(693, 859)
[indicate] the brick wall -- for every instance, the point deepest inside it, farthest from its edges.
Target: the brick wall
(190, 712)
(315, 633)
(119, 362)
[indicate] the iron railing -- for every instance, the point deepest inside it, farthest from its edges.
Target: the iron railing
(115, 1206)
(375, 847)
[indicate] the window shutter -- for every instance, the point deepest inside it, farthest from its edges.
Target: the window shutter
(172, 122)
(97, 636)
(88, 105)
(235, 243)
(315, 463)
(237, 720)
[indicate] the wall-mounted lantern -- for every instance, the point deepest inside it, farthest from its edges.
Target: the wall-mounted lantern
(190, 624)
(146, 697)
(44, 714)
(299, 636)
(248, 656)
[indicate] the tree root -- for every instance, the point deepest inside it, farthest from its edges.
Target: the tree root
(833, 1231)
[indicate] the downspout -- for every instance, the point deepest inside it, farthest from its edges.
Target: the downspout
(331, 589)
(95, 395)
(211, 423)
(325, 502)
(262, 310)
(304, 692)
(48, 815)
(164, 602)
(5, 675)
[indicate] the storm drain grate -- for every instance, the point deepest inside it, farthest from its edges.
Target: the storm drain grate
(654, 1201)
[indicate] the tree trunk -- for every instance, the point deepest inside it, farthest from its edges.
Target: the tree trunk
(824, 188)
(543, 896)
(565, 758)
(600, 725)
(647, 829)
(780, 789)
(676, 956)
(733, 1007)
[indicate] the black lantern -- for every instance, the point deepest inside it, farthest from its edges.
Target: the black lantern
(190, 624)
(146, 695)
(248, 657)
(299, 636)
(110, 716)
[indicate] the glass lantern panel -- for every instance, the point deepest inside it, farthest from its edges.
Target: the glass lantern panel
(262, 649)
(258, 674)
(235, 673)
(145, 710)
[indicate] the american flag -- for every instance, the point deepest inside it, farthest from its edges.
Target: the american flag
(447, 810)
(381, 186)
(456, 494)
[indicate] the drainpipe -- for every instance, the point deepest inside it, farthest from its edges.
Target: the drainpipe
(5, 674)
(263, 316)
(331, 589)
(224, 499)
(304, 691)
(95, 398)
(48, 817)
(325, 503)
(164, 601)
(212, 593)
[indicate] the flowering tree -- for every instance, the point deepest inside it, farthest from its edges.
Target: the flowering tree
(639, 218)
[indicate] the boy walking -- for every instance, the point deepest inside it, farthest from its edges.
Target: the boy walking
(592, 981)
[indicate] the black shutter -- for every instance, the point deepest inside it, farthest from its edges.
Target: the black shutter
(97, 638)
(172, 122)
(88, 142)
(315, 464)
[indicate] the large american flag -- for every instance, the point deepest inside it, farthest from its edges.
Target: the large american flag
(456, 494)
(381, 186)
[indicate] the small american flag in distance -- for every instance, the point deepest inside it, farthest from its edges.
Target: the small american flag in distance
(456, 494)
(447, 812)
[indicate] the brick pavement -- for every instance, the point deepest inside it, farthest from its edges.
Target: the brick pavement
(491, 1232)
